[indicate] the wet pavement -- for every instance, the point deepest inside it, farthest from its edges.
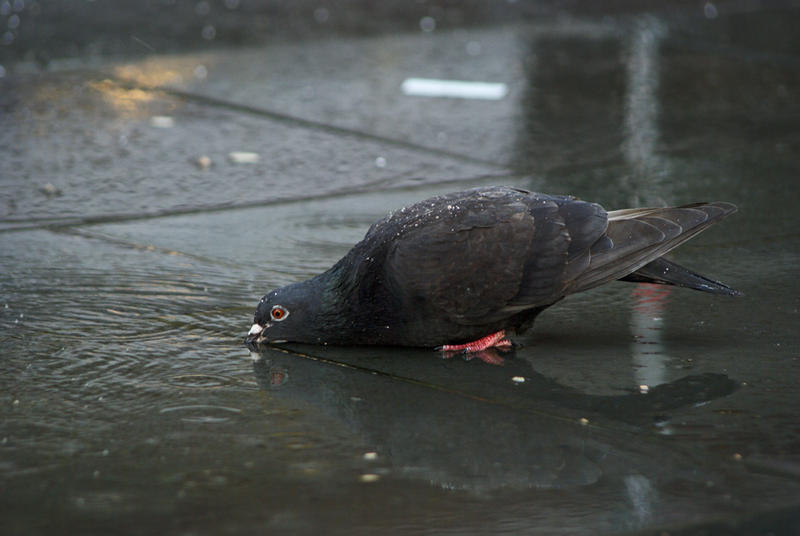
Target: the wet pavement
(148, 202)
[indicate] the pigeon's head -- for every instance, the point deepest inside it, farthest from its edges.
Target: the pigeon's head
(281, 316)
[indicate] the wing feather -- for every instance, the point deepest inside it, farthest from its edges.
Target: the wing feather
(636, 237)
(466, 264)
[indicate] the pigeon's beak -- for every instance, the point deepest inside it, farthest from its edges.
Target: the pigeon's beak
(255, 334)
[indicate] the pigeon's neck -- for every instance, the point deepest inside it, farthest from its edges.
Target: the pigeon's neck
(336, 291)
(350, 303)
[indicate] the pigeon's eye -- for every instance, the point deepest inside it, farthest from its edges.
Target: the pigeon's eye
(278, 313)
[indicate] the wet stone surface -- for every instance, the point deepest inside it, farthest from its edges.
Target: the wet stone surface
(147, 204)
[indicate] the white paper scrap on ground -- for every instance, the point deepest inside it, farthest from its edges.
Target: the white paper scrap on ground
(243, 157)
(162, 121)
(430, 87)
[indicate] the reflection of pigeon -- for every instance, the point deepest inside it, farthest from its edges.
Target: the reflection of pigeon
(460, 269)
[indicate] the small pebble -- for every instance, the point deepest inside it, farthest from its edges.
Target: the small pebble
(369, 477)
(518, 379)
(584, 421)
(370, 456)
(203, 162)
(162, 121)
(737, 457)
(49, 190)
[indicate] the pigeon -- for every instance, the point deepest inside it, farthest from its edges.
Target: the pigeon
(459, 271)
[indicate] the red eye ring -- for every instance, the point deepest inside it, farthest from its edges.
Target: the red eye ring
(278, 313)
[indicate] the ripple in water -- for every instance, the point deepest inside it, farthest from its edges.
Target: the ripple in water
(201, 381)
(202, 413)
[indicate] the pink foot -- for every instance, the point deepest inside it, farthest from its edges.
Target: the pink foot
(495, 340)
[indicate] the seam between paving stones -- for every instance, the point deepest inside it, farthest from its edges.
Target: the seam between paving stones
(56, 223)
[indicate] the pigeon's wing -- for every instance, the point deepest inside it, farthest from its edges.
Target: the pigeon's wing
(466, 275)
(565, 231)
(489, 260)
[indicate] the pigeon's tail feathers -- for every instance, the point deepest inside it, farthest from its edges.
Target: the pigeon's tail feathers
(636, 237)
(664, 272)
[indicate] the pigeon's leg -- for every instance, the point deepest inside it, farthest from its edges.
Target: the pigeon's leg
(495, 340)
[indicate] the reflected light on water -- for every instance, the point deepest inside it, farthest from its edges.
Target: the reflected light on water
(427, 24)
(642, 105)
(126, 102)
(200, 72)
(642, 496)
(209, 32)
(202, 413)
(152, 73)
(647, 348)
(148, 75)
(165, 71)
